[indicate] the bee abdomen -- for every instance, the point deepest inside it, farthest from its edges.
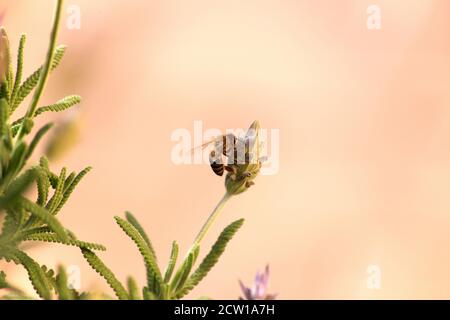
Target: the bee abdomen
(217, 167)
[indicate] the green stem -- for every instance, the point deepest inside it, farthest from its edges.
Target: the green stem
(45, 69)
(212, 217)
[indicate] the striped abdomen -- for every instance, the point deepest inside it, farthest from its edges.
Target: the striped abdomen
(216, 166)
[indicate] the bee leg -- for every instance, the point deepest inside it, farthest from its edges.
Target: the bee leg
(248, 184)
(231, 169)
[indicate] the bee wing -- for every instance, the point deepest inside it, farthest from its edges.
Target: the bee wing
(229, 141)
(252, 142)
(205, 145)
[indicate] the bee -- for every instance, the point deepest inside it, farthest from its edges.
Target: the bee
(239, 153)
(224, 146)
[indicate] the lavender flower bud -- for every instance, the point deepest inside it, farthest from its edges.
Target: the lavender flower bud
(259, 289)
(247, 165)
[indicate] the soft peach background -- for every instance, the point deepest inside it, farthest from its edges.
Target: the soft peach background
(364, 119)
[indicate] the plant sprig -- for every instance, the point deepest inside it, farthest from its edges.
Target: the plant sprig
(170, 286)
(26, 219)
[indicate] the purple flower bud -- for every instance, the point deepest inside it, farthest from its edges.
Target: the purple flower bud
(259, 289)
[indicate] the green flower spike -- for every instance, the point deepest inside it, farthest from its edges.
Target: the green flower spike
(247, 168)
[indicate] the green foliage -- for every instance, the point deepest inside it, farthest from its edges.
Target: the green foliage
(172, 262)
(61, 286)
(69, 186)
(19, 69)
(31, 82)
(44, 216)
(37, 138)
(3, 283)
(24, 219)
(58, 106)
(61, 105)
(211, 259)
(180, 277)
(50, 237)
(106, 273)
(153, 273)
(131, 219)
(36, 274)
(133, 289)
(158, 288)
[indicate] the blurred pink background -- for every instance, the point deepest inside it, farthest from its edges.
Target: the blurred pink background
(364, 119)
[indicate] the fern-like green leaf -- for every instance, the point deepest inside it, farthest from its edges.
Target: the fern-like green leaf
(49, 273)
(16, 188)
(149, 259)
(16, 163)
(69, 188)
(132, 219)
(3, 283)
(58, 195)
(48, 237)
(183, 273)
(33, 231)
(19, 68)
(37, 138)
(133, 289)
(36, 274)
(10, 225)
(148, 295)
(106, 273)
(211, 259)
(64, 293)
(43, 162)
(45, 216)
(4, 114)
(43, 184)
(69, 180)
(153, 284)
(172, 262)
(31, 82)
(61, 105)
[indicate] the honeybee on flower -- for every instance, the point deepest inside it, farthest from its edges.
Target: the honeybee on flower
(242, 158)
